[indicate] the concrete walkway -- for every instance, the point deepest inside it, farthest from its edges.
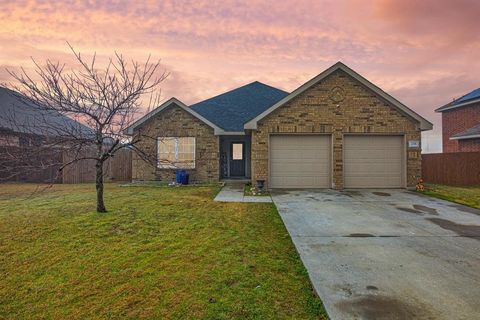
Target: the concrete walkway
(386, 254)
(233, 192)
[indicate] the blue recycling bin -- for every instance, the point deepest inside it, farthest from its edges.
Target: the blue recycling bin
(181, 177)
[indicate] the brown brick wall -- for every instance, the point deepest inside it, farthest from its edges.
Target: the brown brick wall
(457, 120)
(320, 110)
(175, 122)
(470, 145)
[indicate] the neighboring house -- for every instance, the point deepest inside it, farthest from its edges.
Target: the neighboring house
(338, 130)
(25, 124)
(461, 123)
(23, 128)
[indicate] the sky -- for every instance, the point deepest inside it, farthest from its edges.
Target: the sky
(424, 53)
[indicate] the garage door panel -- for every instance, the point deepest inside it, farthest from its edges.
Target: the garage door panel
(380, 169)
(295, 166)
(375, 182)
(294, 154)
(297, 182)
(373, 161)
(284, 168)
(298, 161)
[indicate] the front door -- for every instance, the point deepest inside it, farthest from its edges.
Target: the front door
(237, 159)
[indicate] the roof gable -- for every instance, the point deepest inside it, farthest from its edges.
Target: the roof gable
(232, 109)
(424, 124)
(469, 98)
(163, 106)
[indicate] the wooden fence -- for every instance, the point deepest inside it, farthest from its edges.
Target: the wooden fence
(117, 168)
(16, 165)
(455, 169)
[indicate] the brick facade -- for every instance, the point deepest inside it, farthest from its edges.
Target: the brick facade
(337, 105)
(469, 145)
(175, 122)
(457, 120)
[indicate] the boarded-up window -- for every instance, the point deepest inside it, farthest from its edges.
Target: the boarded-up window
(176, 152)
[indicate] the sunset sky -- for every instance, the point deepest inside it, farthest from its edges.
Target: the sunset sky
(424, 53)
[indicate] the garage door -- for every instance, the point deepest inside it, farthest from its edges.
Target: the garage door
(299, 161)
(373, 161)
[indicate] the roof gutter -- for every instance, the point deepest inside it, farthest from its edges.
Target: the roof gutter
(472, 136)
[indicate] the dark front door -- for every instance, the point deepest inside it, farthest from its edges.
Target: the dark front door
(237, 159)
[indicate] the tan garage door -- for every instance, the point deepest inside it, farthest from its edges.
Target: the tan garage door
(298, 161)
(373, 161)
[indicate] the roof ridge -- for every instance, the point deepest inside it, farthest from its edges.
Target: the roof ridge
(267, 85)
(230, 110)
(236, 89)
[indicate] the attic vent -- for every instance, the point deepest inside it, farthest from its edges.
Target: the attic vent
(337, 95)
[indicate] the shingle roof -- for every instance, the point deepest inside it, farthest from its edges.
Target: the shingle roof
(463, 100)
(20, 116)
(473, 132)
(232, 109)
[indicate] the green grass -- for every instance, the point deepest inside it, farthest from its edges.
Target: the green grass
(159, 253)
(469, 196)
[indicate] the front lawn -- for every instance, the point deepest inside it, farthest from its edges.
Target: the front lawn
(159, 253)
(469, 196)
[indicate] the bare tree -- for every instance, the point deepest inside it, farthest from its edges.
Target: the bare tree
(103, 101)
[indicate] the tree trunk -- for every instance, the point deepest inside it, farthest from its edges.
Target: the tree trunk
(99, 187)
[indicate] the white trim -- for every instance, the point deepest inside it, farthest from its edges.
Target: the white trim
(457, 105)
(129, 131)
(233, 133)
(472, 136)
(424, 124)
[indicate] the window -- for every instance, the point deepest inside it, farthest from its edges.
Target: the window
(237, 151)
(176, 152)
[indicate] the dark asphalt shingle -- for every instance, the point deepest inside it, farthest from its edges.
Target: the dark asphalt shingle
(23, 117)
(473, 95)
(232, 109)
(473, 131)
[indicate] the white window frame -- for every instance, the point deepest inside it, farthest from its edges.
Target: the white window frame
(175, 164)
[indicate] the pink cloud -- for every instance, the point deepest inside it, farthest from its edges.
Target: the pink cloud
(423, 52)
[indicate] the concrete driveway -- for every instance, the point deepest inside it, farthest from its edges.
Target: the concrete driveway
(386, 254)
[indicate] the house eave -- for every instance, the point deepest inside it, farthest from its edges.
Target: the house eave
(441, 109)
(130, 130)
(232, 133)
(472, 136)
(424, 124)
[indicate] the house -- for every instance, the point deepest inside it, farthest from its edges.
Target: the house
(461, 123)
(23, 123)
(337, 130)
(24, 128)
